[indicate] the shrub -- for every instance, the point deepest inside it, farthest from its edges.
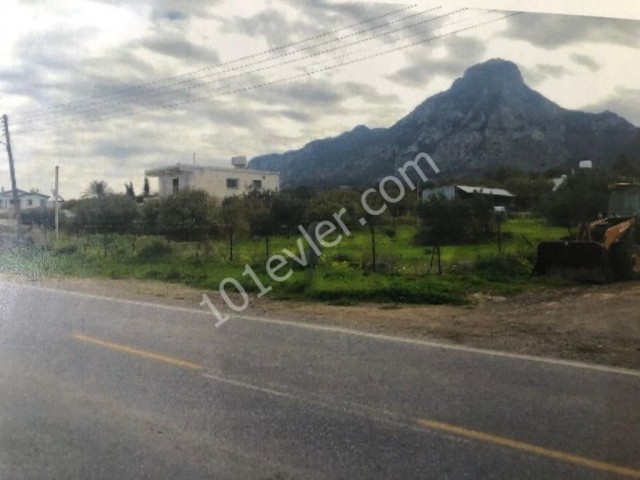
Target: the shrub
(187, 216)
(501, 267)
(105, 214)
(38, 217)
(155, 250)
(454, 221)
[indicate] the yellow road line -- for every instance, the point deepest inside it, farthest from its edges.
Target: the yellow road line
(135, 351)
(529, 448)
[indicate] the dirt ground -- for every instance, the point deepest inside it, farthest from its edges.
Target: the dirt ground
(592, 323)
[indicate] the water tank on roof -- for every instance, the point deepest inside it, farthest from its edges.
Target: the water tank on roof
(239, 162)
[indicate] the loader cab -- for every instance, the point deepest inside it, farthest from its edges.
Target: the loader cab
(624, 200)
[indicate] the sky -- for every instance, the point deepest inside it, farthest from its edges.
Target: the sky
(108, 89)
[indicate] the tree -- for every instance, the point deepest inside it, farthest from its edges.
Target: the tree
(455, 221)
(324, 204)
(150, 217)
(97, 189)
(188, 215)
(528, 187)
(128, 190)
(626, 167)
(398, 209)
(287, 211)
(146, 189)
(582, 199)
(375, 203)
(38, 217)
(105, 214)
(234, 216)
(258, 211)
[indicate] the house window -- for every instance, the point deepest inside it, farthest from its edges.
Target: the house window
(176, 185)
(257, 184)
(232, 183)
(29, 203)
(43, 203)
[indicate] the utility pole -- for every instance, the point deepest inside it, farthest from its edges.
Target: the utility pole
(16, 204)
(55, 202)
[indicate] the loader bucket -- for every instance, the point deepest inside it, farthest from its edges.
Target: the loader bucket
(575, 260)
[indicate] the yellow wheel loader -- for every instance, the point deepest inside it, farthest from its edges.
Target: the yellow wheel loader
(605, 250)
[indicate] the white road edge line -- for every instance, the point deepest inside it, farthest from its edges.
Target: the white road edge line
(350, 332)
(250, 386)
(317, 400)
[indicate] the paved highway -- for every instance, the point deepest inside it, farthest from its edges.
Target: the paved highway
(99, 388)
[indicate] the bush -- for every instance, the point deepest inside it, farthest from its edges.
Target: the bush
(155, 250)
(584, 197)
(187, 216)
(38, 217)
(454, 221)
(107, 214)
(501, 267)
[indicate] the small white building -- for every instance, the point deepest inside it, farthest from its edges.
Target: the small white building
(218, 182)
(26, 200)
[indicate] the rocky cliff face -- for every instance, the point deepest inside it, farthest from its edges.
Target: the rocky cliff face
(488, 118)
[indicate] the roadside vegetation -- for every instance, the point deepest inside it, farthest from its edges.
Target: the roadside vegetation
(441, 251)
(406, 272)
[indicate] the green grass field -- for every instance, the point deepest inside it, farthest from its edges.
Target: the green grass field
(405, 272)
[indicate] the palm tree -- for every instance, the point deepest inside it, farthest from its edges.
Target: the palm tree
(97, 189)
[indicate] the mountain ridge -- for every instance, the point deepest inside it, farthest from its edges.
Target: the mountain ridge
(488, 118)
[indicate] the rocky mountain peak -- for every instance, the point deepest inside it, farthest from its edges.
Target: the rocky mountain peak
(488, 118)
(493, 71)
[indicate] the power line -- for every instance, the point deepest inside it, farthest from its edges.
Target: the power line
(230, 62)
(305, 74)
(142, 100)
(286, 79)
(167, 89)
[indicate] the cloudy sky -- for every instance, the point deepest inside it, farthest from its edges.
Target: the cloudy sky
(107, 89)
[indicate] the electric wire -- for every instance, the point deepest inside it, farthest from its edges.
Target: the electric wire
(230, 62)
(167, 89)
(279, 65)
(306, 73)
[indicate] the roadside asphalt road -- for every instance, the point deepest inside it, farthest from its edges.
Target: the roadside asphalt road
(99, 388)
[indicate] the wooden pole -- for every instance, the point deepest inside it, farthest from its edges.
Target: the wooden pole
(16, 202)
(55, 194)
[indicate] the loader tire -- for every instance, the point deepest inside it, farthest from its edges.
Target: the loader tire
(625, 257)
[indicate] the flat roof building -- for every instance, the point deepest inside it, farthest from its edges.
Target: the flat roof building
(218, 182)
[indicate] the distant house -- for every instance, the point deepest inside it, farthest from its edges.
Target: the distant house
(26, 200)
(499, 197)
(216, 181)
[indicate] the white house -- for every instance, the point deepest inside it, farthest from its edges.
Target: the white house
(26, 200)
(216, 181)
